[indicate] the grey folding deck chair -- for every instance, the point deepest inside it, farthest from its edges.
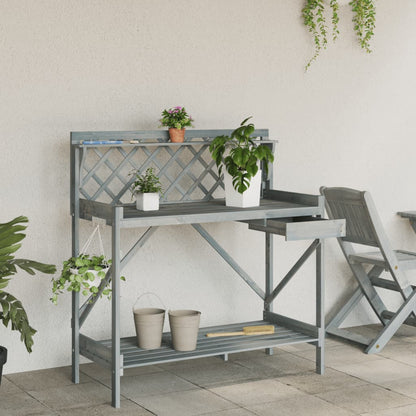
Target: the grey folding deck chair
(363, 226)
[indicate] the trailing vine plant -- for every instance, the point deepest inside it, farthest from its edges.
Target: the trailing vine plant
(364, 21)
(314, 18)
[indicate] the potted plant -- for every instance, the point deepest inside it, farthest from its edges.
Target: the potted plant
(176, 118)
(82, 274)
(146, 188)
(12, 310)
(241, 156)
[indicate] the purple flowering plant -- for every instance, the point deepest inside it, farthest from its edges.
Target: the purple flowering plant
(176, 117)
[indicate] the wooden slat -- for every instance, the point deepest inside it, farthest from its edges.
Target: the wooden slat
(78, 137)
(134, 356)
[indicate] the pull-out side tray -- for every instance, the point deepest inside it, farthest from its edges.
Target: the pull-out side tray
(300, 228)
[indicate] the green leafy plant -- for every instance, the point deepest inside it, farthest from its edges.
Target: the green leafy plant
(12, 309)
(176, 117)
(79, 275)
(364, 21)
(241, 161)
(147, 183)
(314, 18)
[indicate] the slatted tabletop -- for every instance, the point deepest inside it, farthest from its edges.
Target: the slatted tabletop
(211, 211)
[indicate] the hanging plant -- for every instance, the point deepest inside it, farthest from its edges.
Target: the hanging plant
(364, 21)
(314, 18)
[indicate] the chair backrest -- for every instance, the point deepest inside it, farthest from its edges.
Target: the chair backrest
(362, 222)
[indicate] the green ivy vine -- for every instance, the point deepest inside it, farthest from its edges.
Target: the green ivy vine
(314, 17)
(364, 21)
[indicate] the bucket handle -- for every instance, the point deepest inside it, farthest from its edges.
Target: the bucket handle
(150, 293)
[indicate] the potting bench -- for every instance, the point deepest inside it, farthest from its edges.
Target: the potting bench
(100, 163)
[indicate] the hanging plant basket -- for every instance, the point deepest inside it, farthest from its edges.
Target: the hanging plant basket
(84, 273)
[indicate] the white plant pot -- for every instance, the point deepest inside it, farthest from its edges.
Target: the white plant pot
(249, 198)
(147, 201)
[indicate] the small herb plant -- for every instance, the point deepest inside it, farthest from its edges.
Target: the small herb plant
(176, 118)
(147, 183)
(244, 154)
(364, 18)
(78, 276)
(11, 309)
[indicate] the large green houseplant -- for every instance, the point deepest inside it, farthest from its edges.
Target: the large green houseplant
(241, 155)
(12, 310)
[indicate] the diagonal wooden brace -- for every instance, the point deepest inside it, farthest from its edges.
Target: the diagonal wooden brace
(292, 272)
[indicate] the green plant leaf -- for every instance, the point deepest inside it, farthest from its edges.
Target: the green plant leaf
(13, 312)
(245, 120)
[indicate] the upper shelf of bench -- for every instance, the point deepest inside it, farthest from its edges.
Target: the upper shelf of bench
(153, 137)
(275, 204)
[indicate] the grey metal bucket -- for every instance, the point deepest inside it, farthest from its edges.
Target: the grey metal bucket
(149, 327)
(184, 325)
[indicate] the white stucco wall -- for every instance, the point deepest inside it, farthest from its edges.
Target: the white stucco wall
(80, 65)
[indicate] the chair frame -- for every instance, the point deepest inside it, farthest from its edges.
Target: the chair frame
(365, 228)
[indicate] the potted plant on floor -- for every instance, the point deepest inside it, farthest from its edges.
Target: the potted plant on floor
(146, 188)
(176, 118)
(12, 310)
(241, 156)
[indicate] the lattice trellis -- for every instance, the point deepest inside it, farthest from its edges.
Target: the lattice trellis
(187, 173)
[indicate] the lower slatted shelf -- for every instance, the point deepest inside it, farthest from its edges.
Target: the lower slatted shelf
(136, 357)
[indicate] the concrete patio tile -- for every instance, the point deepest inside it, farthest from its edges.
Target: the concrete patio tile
(367, 398)
(341, 355)
(301, 404)
(231, 412)
(75, 395)
(22, 404)
(153, 384)
(217, 374)
(198, 362)
(372, 330)
(404, 352)
(45, 379)
(255, 392)
(185, 403)
(378, 371)
(303, 346)
(405, 386)
(249, 355)
(7, 387)
(127, 408)
(277, 365)
(397, 411)
(313, 383)
(96, 372)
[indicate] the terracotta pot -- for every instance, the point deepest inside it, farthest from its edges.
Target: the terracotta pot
(177, 135)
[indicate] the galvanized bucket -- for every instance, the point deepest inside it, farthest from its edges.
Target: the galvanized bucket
(184, 325)
(149, 324)
(149, 327)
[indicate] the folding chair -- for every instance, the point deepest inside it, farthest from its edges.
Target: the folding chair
(363, 226)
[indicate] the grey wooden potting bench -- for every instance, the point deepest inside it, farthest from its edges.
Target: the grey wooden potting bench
(100, 164)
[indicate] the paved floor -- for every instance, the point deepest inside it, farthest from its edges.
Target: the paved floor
(248, 384)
